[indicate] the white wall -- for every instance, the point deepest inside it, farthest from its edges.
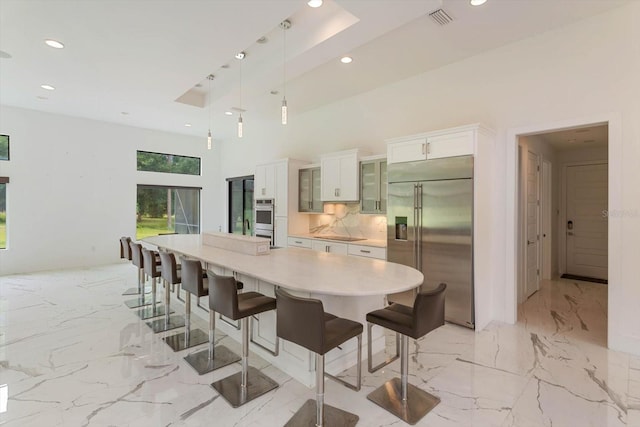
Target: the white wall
(583, 70)
(73, 187)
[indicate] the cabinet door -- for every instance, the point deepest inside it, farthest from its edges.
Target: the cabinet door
(407, 151)
(263, 331)
(260, 182)
(330, 178)
(316, 183)
(281, 231)
(382, 204)
(304, 190)
(280, 188)
(299, 242)
(450, 145)
(331, 247)
(369, 187)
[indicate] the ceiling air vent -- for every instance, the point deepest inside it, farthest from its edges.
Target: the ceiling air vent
(440, 16)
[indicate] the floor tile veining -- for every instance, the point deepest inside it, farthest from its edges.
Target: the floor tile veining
(72, 354)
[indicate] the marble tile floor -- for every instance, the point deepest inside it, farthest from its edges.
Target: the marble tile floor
(72, 354)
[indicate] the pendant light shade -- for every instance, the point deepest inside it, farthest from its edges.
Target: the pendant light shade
(210, 77)
(240, 56)
(240, 126)
(285, 25)
(284, 111)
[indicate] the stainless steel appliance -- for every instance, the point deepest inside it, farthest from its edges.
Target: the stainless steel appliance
(264, 223)
(430, 228)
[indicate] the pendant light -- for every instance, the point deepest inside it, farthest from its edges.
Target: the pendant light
(240, 56)
(285, 25)
(210, 77)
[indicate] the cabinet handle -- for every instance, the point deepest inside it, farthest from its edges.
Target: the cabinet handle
(423, 148)
(263, 190)
(365, 252)
(326, 248)
(338, 190)
(428, 148)
(310, 204)
(298, 242)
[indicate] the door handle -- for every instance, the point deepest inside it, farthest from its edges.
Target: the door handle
(569, 233)
(530, 242)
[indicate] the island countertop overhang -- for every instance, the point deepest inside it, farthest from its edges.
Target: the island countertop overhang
(302, 270)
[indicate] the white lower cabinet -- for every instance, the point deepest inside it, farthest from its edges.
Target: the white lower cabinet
(368, 251)
(331, 247)
(299, 242)
(263, 325)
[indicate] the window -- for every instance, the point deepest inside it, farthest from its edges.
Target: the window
(169, 163)
(3, 212)
(163, 210)
(4, 147)
(241, 205)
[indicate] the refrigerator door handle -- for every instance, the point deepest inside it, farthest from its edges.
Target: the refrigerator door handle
(419, 227)
(416, 216)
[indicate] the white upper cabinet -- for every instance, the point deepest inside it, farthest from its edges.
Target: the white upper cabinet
(450, 145)
(433, 145)
(407, 151)
(265, 181)
(340, 176)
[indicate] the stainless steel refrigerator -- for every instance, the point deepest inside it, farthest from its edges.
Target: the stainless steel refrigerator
(430, 228)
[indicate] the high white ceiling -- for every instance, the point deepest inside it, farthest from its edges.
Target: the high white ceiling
(140, 56)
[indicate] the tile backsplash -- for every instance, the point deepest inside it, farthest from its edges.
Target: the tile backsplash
(347, 221)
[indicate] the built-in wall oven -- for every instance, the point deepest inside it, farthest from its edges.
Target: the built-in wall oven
(264, 223)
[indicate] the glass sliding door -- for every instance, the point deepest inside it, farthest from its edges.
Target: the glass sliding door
(162, 210)
(240, 205)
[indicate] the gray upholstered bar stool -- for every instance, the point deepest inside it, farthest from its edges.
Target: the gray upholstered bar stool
(246, 385)
(303, 321)
(192, 283)
(125, 253)
(213, 357)
(152, 270)
(397, 396)
(138, 261)
(170, 274)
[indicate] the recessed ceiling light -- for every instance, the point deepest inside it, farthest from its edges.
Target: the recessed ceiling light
(124, 113)
(188, 125)
(346, 59)
(240, 55)
(274, 92)
(225, 66)
(262, 40)
(4, 55)
(477, 2)
(228, 113)
(47, 87)
(314, 3)
(54, 43)
(42, 98)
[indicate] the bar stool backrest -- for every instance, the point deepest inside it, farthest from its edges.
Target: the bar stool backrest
(428, 310)
(125, 249)
(192, 277)
(223, 296)
(169, 267)
(149, 262)
(301, 321)
(136, 255)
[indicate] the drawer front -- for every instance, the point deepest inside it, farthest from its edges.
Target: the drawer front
(368, 251)
(299, 242)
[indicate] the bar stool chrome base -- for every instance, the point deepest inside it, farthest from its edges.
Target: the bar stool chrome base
(177, 342)
(136, 291)
(161, 325)
(418, 404)
(306, 416)
(202, 363)
(230, 388)
(150, 312)
(138, 302)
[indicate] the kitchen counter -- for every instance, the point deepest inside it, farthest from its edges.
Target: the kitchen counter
(365, 242)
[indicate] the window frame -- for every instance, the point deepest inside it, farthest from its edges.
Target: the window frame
(8, 148)
(172, 187)
(169, 154)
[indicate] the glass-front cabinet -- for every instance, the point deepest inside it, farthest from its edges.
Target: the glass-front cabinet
(309, 190)
(373, 186)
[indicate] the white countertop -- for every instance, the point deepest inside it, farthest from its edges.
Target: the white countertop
(301, 269)
(366, 242)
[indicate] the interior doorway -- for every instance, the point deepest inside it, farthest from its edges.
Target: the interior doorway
(240, 203)
(562, 194)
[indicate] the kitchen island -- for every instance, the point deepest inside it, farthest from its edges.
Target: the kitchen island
(348, 287)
